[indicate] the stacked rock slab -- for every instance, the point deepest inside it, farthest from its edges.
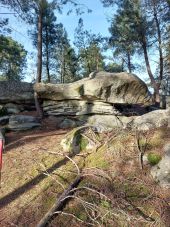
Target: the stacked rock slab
(16, 96)
(101, 95)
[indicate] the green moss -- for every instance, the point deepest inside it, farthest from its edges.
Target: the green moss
(83, 142)
(136, 192)
(154, 158)
(48, 202)
(105, 204)
(98, 159)
(79, 139)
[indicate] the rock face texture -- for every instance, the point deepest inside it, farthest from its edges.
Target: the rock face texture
(16, 96)
(153, 119)
(101, 97)
(104, 100)
(22, 122)
(161, 172)
(78, 107)
(17, 92)
(106, 87)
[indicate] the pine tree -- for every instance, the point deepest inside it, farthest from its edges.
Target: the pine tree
(122, 39)
(67, 62)
(12, 59)
(49, 37)
(145, 31)
(89, 50)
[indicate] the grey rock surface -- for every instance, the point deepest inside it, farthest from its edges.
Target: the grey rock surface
(78, 107)
(17, 92)
(106, 87)
(67, 123)
(22, 122)
(13, 108)
(108, 122)
(154, 119)
(4, 120)
(161, 172)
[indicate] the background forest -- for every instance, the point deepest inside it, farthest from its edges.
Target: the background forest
(138, 32)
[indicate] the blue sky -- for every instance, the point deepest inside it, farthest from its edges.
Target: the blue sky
(96, 22)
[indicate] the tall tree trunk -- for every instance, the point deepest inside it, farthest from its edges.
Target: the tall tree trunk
(39, 64)
(153, 82)
(159, 42)
(64, 70)
(47, 68)
(129, 63)
(88, 63)
(39, 67)
(122, 65)
(97, 63)
(47, 55)
(62, 67)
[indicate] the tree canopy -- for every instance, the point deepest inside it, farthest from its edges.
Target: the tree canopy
(137, 29)
(12, 59)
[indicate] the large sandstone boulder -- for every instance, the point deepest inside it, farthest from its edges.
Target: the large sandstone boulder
(104, 123)
(16, 92)
(151, 120)
(78, 107)
(106, 87)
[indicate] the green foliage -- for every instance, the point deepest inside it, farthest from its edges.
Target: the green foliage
(12, 59)
(89, 50)
(154, 158)
(122, 37)
(49, 37)
(66, 59)
(138, 27)
(113, 67)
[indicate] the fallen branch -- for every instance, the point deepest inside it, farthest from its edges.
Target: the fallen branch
(60, 203)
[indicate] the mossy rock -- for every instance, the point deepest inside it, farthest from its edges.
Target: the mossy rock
(154, 158)
(76, 141)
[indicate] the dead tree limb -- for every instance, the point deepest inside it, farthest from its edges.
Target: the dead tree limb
(60, 203)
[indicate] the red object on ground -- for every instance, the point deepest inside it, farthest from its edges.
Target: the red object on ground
(1, 150)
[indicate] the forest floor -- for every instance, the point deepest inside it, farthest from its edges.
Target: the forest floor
(114, 192)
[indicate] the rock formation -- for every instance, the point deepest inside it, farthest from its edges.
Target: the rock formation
(103, 99)
(106, 87)
(16, 96)
(105, 95)
(161, 172)
(22, 122)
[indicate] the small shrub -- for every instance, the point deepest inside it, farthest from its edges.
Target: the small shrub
(154, 158)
